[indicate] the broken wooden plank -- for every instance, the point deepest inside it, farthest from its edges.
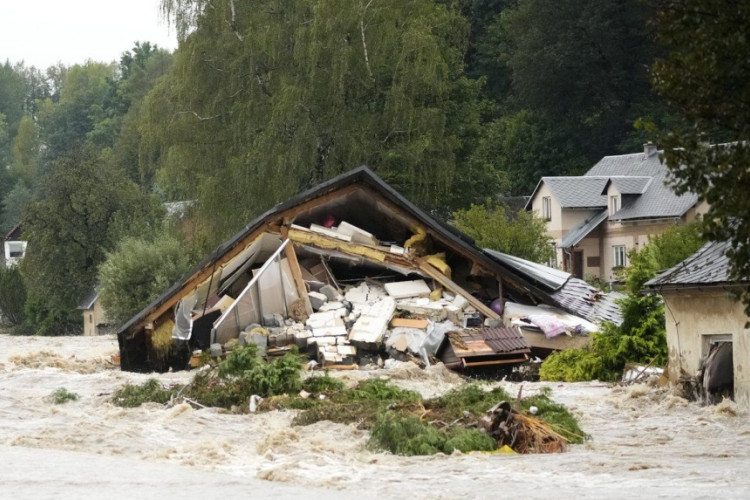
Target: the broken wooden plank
(291, 257)
(409, 323)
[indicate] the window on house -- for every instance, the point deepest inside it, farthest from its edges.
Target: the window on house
(552, 262)
(547, 208)
(614, 204)
(619, 255)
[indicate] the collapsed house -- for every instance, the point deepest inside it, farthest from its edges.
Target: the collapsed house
(707, 335)
(352, 272)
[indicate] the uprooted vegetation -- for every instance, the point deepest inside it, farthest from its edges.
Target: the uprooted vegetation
(399, 420)
(62, 395)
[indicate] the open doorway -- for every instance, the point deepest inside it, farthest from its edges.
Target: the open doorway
(718, 369)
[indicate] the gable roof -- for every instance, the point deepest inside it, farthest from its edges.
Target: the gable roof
(361, 176)
(628, 185)
(709, 266)
(656, 200)
(88, 301)
(574, 192)
(15, 233)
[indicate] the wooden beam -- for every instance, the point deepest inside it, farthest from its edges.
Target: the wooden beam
(315, 202)
(501, 361)
(291, 257)
(455, 288)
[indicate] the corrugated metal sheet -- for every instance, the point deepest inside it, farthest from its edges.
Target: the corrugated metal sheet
(570, 293)
(504, 339)
(548, 277)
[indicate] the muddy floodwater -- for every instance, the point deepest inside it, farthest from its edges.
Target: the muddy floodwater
(644, 442)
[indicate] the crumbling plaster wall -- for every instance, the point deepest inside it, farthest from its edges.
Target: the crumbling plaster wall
(691, 317)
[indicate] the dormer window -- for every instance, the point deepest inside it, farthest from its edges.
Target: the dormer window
(547, 208)
(614, 204)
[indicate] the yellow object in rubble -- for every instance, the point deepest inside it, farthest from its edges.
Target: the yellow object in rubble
(437, 261)
(416, 239)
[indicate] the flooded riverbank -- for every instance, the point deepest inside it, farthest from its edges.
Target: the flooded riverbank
(643, 441)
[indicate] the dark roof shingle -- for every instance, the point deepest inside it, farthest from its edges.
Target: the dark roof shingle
(709, 266)
(657, 199)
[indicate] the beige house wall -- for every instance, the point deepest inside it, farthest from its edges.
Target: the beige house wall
(554, 225)
(591, 248)
(572, 217)
(699, 209)
(632, 235)
(613, 191)
(562, 220)
(692, 317)
(93, 317)
(600, 243)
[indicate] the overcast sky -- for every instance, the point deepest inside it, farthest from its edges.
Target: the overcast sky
(44, 32)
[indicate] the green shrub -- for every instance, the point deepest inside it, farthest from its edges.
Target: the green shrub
(322, 384)
(62, 395)
(361, 405)
(466, 440)
(469, 398)
(137, 272)
(523, 235)
(575, 365)
(151, 391)
(408, 435)
(242, 374)
(380, 390)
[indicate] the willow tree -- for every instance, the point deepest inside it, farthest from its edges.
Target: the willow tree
(269, 97)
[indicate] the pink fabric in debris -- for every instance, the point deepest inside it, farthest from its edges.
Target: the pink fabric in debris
(551, 326)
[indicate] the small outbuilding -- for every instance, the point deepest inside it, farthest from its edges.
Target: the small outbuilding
(14, 246)
(706, 323)
(94, 317)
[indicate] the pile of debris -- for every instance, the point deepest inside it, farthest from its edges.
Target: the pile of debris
(519, 432)
(365, 324)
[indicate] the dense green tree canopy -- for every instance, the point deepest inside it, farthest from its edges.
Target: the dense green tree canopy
(522, 234)
(137, 272)
(572, 81)
(268, 98)
(86, 207)
(706, 78)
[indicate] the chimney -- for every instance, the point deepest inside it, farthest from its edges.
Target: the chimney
(649, 149)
